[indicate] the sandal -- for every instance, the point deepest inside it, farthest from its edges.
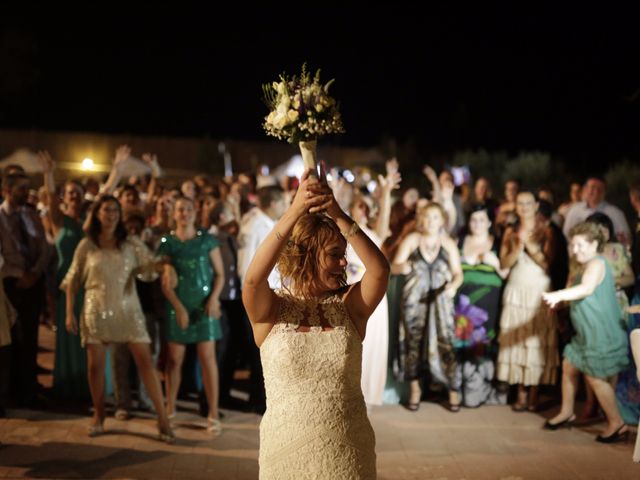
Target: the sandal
(454, 406)
(122, 414)
(617, 436)
(166, 436)
(413, 406)
(214, 425)
(96, 429)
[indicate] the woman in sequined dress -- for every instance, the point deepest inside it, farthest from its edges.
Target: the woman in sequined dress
(106, 264)
(193, 309)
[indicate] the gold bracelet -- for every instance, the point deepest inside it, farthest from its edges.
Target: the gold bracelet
(352, 230)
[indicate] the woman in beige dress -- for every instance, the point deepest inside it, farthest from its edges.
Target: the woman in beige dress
(106, 263)
(310, 337)
(528, 354)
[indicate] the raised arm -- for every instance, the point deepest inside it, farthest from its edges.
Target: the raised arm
(592, 277)
(430, 173)
(258, 298)
(152, 162)
(122, 153)
(54, 213)
(364, 296)
(388, 184)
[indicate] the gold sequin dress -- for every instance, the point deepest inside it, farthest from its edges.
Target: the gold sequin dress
(111, 312)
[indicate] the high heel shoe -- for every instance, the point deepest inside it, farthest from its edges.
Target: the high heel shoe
(563, 424)
(214, 425)
(95, 430)
(413, 406)
(616, 436)
(454, 406)
(166, 436)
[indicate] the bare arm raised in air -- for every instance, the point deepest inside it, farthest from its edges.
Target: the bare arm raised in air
(364, 296)
(259, 300)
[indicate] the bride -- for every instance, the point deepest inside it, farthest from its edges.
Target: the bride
(310, 337)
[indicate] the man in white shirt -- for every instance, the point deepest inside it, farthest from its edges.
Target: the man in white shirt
(593, 193)
(256, 225)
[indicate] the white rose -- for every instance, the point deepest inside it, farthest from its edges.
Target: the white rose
(270, 117)
(292, 115)
(319, 107)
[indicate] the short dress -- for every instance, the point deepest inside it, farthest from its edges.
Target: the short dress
(191, 260)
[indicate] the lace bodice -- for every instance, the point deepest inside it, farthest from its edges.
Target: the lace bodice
(316, 424)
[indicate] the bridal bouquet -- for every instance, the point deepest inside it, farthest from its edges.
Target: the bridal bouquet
(301, 111)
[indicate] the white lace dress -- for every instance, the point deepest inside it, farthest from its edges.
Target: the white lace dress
(315, 425)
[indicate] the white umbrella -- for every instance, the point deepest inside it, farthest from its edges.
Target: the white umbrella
(133, 166)
(24, 158)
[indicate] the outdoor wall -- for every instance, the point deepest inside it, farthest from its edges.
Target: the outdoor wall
(178, 156)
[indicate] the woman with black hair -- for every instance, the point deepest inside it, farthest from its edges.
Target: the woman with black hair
(477, 309)
(106, 264)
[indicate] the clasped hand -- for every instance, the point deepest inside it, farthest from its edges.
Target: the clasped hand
(314, 196)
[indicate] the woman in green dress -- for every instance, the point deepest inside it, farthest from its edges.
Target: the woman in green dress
(193, 309)
(65, 222)
(599, 346)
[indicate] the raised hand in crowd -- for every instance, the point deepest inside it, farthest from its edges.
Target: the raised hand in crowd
(123, 152)
(388, 183)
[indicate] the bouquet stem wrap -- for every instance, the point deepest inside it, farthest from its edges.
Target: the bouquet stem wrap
(308, 150)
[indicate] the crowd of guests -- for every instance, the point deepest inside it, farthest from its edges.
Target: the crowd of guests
(476, 309)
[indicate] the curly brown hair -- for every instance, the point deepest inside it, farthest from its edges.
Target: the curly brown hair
(299, 261)
(591, 231)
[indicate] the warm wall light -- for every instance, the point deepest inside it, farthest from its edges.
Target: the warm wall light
(87, 164)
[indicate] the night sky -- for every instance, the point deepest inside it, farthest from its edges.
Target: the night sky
(560, 81)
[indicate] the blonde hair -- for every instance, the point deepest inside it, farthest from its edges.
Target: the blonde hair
(591, 231)
(298, 262)
(422, 209)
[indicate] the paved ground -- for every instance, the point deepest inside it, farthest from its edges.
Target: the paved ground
(486, 443)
